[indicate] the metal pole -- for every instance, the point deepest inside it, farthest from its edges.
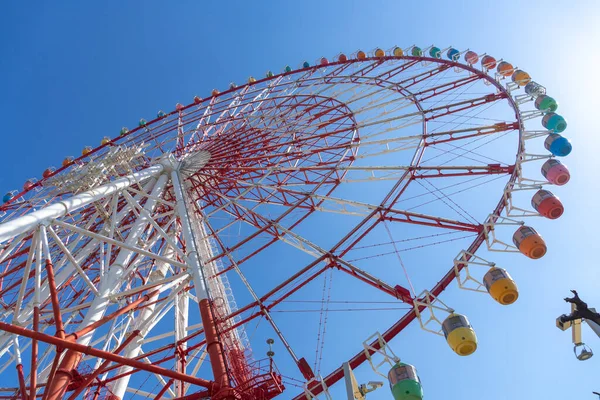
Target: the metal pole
(102, 367)
(108, 284)
(59, 209)
(181, 324)
(60, 330)
(79, 348)
(119, 387)
(20, 373)
(36, 319)
(195, 267)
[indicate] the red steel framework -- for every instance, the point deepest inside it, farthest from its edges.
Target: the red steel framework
(245, 146)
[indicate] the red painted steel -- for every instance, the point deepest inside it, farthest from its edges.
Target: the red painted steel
(78, 349)
(222, 172)
(34, 354)
(215, 351)
(60, 330)
(446, 280)
(23, 391)
(90, 377)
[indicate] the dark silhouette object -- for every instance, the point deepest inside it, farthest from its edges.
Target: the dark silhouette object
(597, 394)
(582, 311)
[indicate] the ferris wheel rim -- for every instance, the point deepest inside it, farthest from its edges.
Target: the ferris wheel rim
(114, 141)
(449, 277)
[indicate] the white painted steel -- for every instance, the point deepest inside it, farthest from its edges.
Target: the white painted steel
(182, 306)
(63, 273)
(195, 267)
(116, 272)
(27, 222)
(133, 349)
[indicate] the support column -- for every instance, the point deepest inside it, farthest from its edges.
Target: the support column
(108, 284)
(60, 330)
(66, 272)
(133, 349)
(213, 344)
(181, 322)
(36, 319)
(20, 373)
(61, 208)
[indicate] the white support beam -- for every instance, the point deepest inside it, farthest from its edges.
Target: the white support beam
(73, 261)
(181, 323)
(124, 245)
(144, 318)
(116, 272)
(59, 209)
(195, 266)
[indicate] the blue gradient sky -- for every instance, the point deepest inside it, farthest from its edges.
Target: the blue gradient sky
(73, 72)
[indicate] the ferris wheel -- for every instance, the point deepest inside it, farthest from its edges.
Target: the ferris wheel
(152, 265)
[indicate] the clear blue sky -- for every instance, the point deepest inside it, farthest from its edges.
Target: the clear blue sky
(73, 72)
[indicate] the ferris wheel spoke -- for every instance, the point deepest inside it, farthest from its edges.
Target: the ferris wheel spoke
(274, 105)
(308, 274)
(226, 114)
(385, 78)
(330, 108)
(249, 156)
(264, 310)
(303, 244)
(343, 206)
(420, 78)
(229, 202)
(438, 112)
(364, 209)
(466, 151)
(262, 229)
(372, 89)
(278, 190)
(468, 133)
(265, 227)
(430, 92)
(382, 106)
(203, 125)
(317, 252)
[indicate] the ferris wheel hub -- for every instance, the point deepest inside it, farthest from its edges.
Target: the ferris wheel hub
(194, 162)
(169, 162)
